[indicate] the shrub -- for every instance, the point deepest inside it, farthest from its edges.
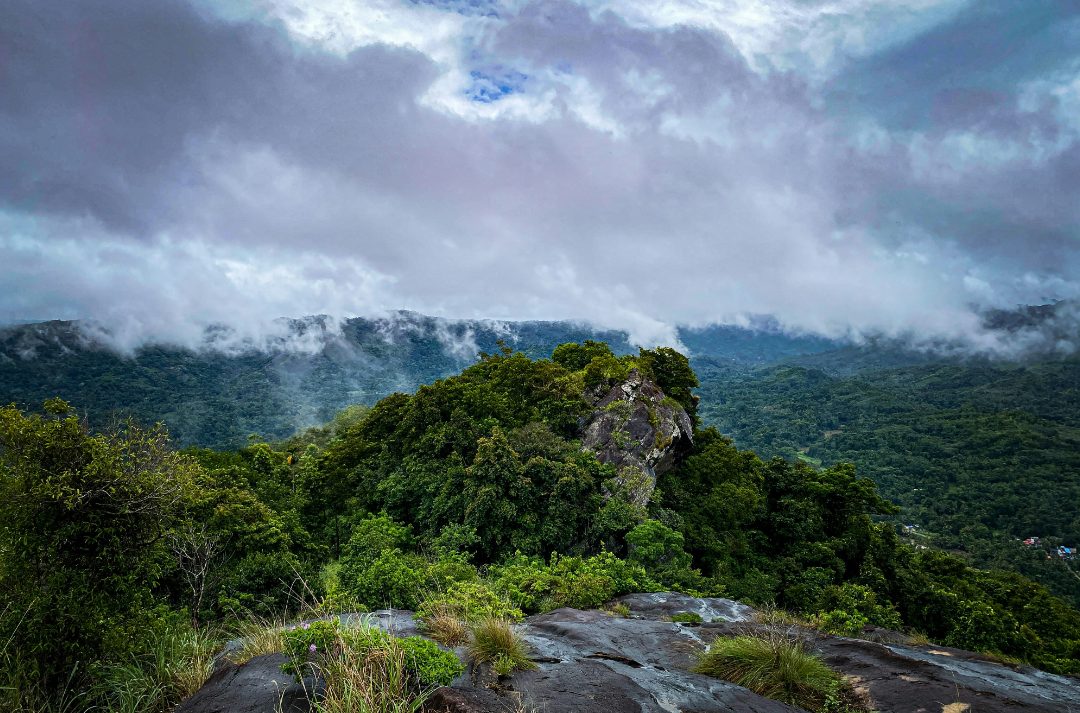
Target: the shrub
(495, 642)
(394, 579)
(430, 665)
(447, 629)
(469, 601)
(858, 602)
(773, 665)
(523, 579)
(583, 583)
(336, 599)
(370, 676)
(263, 584)
(591, 582)
(364, 638)
(841, 623)
(378, 568)
(307, 645)
(686, 617)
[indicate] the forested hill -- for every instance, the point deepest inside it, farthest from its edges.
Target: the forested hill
(979, 456)
(216, 397)
(471, 501)
(977, 453)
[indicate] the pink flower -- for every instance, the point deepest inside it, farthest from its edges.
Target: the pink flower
(312, 648)
(307, 626)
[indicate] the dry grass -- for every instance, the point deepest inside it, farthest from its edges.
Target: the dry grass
(917, 638)
(620, 610)
(772, 664)
(447, 629)
(369, 679)
(258, 637)
(495, 642)
(774, 617)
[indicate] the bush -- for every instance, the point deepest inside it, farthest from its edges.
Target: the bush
(851, 603)
(430, 665)
(307, 645)
(495, 642)
(262, 584)
(81, 519)
(378, 569)
(686, 617)
(323, 648)
(582, 583)
(369, 676)
(336, 599)
(773, 665)
(841, 623)
(588, 583)
(470, 602)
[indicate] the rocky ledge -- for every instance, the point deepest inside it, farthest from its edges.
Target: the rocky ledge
(640, 431)
(591, 661)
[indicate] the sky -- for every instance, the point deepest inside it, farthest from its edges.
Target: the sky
(849, 167)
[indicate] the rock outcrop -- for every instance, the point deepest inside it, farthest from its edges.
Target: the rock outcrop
(257, 686)
(640, 431)
(593, 662)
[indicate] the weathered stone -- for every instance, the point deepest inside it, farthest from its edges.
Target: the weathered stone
(917, 679)
(257, 686)
(638, 430)
(467, 700)
(664, 605)
(593, 662)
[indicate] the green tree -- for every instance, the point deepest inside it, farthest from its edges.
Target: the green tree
(83, 525)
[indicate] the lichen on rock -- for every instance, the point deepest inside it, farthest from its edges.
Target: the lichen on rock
(635, 427)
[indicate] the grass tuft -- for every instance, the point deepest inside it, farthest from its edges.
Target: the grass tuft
(177, 661)
(775, 617)
(447, 629)
(258, 637)
(620, 610)
(495, 642)
(370, 676)
(775, 665)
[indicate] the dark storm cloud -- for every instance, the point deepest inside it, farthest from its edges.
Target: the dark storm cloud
(100, 97)
(981, 158)
(960, 71)
(162, 167)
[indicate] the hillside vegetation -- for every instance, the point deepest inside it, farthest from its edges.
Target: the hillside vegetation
(471, 499)
(979, 455)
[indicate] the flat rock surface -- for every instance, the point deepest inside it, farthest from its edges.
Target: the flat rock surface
(257, 686)
(924, 679)
(593, 662)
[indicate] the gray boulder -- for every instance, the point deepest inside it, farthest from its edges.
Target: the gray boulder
(257, 686)
(640, 431)
(594, 662)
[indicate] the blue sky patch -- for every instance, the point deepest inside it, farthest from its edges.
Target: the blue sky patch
(483, 8)
(492, 85)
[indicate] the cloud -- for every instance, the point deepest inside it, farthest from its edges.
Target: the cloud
(164, 166)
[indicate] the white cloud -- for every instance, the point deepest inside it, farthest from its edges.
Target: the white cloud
(638, 170)
(794, 34)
